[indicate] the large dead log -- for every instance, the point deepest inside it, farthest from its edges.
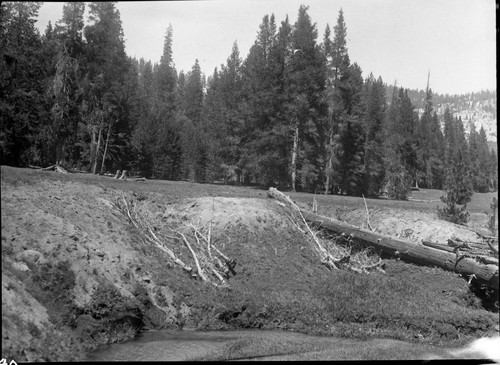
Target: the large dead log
(404, 249)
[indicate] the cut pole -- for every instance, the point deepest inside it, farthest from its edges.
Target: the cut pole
(404, 249)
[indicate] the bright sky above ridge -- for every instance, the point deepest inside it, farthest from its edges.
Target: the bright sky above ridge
(400, 40)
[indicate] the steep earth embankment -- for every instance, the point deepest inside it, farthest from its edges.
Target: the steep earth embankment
(76, 274)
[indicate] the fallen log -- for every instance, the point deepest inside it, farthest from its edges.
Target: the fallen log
(56, 168)
(479, 257)
(464, 244)
(487, 259)
(493, 248)
(404, 249)
(438, 246)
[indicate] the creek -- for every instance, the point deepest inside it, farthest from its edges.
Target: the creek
(171, 345)
(174, 345)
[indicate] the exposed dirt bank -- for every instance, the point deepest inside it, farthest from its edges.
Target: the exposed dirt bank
(76, 275)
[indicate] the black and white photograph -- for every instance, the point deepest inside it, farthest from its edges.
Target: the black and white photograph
(256, 180)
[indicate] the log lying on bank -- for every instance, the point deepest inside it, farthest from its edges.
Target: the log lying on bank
(405, 250)
(56, 168)
(485, 259)
(439, 246)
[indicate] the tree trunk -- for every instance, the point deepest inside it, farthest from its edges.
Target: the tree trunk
(403, 249)
(295, 150)
(59, 153)
(98, 147)
(93, 143)
(328, 168)
(329, 165)
(105, 149)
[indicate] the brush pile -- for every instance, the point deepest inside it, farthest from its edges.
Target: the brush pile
(204, 259)
(485, 270)
(335, 250)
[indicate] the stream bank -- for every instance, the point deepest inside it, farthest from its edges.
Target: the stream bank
(76, 275)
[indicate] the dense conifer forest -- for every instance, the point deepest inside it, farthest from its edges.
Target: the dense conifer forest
(295, 113)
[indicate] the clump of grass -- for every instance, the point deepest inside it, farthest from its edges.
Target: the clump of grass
(52, 285)
(406, 305)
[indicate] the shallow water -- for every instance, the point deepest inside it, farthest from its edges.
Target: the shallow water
(162, 346)
(180, 345)
(186, 345)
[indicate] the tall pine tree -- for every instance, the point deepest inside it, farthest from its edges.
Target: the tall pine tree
(337, 65)
(168, 151)
(373, 122)
(458, 181)
(305, 104)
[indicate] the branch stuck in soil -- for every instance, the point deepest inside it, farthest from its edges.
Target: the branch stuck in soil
(334, 251)
(204, 263)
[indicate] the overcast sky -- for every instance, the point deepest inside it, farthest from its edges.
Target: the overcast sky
(400, 40)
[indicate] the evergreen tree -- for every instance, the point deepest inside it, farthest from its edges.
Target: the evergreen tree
(482, 176)
(430, 146)
(305, 104)
(436, 153)
(213, 112)
(144, 133)
(474, 155)
(64, 109)
(194, 94)
(229, 118)
(400, 150)
(373, 122)
(337, 64)
(70, 28)
(107, 66)
(493, 170)
(193, 135)
(262, 79)
(22, 85)
(458, 182)
(168, 151)
(65, 87)
(350, 130)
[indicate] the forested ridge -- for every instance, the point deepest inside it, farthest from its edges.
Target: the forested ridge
(296, 113)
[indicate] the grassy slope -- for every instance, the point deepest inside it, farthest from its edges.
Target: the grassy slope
(280, 285)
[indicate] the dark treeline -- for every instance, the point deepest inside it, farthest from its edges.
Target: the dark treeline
(296, 113)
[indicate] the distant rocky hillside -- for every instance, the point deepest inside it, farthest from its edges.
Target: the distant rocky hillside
(478, 108)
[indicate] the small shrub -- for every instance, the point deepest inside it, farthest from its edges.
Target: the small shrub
(398, 184)
(454, 213)
(459, 191)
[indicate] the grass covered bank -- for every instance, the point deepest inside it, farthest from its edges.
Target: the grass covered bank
(74, 268)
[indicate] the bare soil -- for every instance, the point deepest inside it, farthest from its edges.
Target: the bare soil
(75, 275)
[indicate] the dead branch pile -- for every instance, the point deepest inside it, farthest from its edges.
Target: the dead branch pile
(208, 261)
(423, 254)
(335, 251)
(124, 177)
